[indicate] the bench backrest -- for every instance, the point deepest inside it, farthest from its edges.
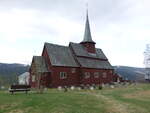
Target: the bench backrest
(20, 86)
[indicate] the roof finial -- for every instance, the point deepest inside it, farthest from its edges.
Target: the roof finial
(87, 8)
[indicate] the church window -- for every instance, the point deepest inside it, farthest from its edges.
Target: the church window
(104, 74)
(63, 75)
(87, 74)
(73, 70)
(96, 74)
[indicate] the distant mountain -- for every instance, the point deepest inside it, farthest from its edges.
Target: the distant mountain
(131, 73)
(9, 72)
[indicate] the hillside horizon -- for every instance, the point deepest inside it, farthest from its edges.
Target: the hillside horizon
(28, 64)
(9, 72)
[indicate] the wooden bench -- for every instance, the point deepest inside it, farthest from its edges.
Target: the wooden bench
(19, 88)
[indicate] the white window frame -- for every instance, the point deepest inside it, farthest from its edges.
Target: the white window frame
(96, 74)
(33, 78)
(73, 70)
(87, 75)
(63, 75)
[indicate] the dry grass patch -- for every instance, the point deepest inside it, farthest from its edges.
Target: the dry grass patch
(17, 111)
(112, 106)
(142, 95)
(7, 106)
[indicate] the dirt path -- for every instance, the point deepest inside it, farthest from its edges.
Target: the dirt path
(115, 106)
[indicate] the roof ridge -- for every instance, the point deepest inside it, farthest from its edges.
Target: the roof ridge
(55, 44)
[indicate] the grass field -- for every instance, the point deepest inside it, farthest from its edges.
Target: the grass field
(129, 99)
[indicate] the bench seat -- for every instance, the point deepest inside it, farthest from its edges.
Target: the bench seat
(19, 88)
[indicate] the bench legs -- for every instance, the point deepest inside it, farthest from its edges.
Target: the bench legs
(12, 92)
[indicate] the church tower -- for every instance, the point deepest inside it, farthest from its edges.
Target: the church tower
(87, 42)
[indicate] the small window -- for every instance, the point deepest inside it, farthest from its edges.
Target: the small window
(33, 78)
(73, 70)
(87, 75)
(63, 75)
(104, 75)
(96, 74)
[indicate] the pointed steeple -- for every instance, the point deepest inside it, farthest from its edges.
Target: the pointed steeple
(87, 33)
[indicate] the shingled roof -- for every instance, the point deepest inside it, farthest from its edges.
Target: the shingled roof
(80, 50)
(90, 60)
(63, 56)
(60, 55)
(94, 63)
(40, 64)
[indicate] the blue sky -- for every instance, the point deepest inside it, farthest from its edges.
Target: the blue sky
(121, 28)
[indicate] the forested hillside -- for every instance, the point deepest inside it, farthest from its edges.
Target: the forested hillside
(9, 72)
(131, 73)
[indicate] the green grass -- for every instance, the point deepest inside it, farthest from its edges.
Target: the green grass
(130, 99)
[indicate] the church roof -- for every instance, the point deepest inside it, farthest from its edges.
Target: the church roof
(90, 60)
(80, 50)
(65, 56)
(94, 63)
(60, 55)
(87, 33)
(40, 64)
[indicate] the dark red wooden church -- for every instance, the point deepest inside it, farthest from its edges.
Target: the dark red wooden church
(76, 64)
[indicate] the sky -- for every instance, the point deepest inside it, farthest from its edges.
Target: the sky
(121, 28)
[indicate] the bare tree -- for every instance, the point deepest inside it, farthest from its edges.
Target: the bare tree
(147, 62)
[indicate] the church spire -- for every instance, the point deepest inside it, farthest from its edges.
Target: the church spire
(87, 33)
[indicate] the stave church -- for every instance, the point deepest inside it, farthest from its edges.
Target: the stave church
(73, 65)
